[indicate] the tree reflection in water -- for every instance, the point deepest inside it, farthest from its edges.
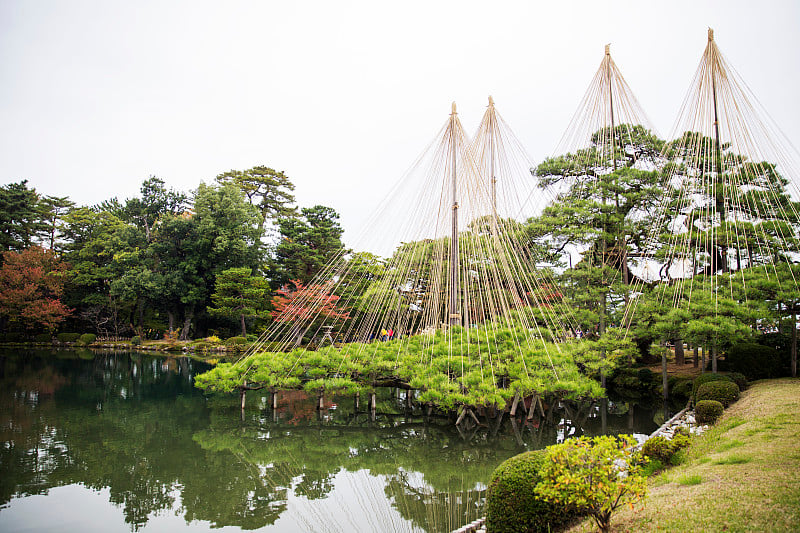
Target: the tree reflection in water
(133, 424)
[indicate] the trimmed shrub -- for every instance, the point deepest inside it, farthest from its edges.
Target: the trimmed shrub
(68, 337)
(725, 392)
(739, 379)
(662, 448)
(235, 340)
(511, 503)
(12, 337)
(43, 337)
(681, 388)
(87, 339)
(707, 411)
(754, 361)
(706, 378)
(136, 341)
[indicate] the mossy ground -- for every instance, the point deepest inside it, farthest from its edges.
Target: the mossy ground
(742, 475)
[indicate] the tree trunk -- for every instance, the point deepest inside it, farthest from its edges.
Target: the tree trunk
(714, 357)
(664, 379)
(794, 341)
(187, 323)
(171, 320)
(244, 329)
(703, 360)
(696, 356)
(679, 358)
(601, 329)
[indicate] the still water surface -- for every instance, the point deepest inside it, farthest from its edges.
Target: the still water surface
(124, 442)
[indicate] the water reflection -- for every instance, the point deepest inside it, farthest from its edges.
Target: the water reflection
(132, 426)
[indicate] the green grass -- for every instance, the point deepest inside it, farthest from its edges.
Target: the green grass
(730, 445)
(733, 460)
(690, 480)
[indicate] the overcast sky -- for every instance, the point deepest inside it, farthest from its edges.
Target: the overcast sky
(343, 96)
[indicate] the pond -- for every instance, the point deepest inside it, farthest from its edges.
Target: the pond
(124, 442)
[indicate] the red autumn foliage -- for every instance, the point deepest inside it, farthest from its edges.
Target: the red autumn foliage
(305, 303)
(32, 285)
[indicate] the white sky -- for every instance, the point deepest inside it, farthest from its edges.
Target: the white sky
(95, 96)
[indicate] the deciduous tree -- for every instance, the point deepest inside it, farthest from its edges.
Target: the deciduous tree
(32, 282)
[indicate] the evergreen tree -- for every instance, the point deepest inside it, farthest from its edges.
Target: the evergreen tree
(306, 245)
(239, 295)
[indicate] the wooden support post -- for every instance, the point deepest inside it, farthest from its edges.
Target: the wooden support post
(475, 418)
(357, 401)
(274, 400)
(372, 402)
(514, 404)
(242, 393)
(461, 416)
(409, 398)
(320, 402)
(532, 408)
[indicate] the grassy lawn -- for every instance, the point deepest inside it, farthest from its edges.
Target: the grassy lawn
(742, 475)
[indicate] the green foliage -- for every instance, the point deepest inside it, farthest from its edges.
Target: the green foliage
(440, 366)
(86, 339)
(136, 340)
(725, 392)
(706, 378)
(267, 189)
(21, 216)
(512, 505)
(754, 361)
(739, 379)
(681, 388)
(232, 341)
(12, 336)
(68, 337)
(633, 382)
(651, 467)
(664, 449)
(43, 338)
(239, 295)
(307, 243)
(602, 356)
(708, 411)
(593, 475)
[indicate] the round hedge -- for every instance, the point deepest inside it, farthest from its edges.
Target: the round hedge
(739, 379)
(725, 392)
(511, 502)
(706, 378)
(707, 411)
(87, 338)
(43, 337)
(662, 448)
(68, 337)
